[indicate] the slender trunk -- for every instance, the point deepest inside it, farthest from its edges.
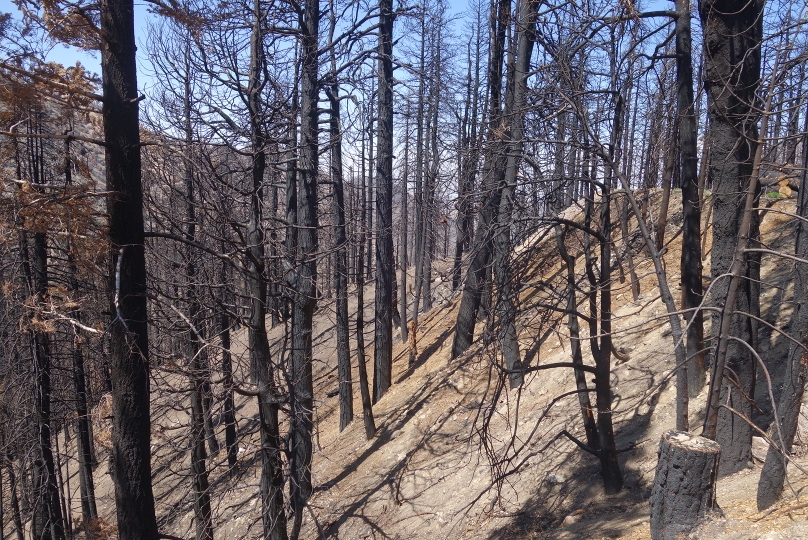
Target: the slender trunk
(305, 293)
(628, 250)
(262, 371)
(609, 466)
(370, 187)
(203, 516)
(228, 406)
(478, 273)
(291, 191)
(419, 170)
(367, 408)
(16, 515)
(341, 263)
(64, 488)
(48, 520)
(404, 239)
(463, 189)
(691, 268)
(667, 180)
(83, 426)
(587, 412)
(515, 110)
(773, 475)
(385, 269)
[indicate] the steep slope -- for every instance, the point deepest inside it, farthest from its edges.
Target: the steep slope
(445, 464)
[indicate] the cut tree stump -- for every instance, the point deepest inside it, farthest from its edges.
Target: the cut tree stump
(684, 487)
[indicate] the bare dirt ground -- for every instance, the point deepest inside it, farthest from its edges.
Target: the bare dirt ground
(428, 474)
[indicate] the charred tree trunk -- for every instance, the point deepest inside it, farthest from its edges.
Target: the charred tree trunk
(203, 516)
(684, 486)
(609, 466)
(493, 176)
(228, 406)
(84, 447)
(129, 343)
(83, 436)
(773, 475)
(305, 293)
(732, 36)
(691, 268)
(364, 388)
(341, 260)
(262, 371)
(667, 182)
(16, 514)
(403, 261)
(515, 109)
(587, 411)
(47, 518)
(468, 164)
(385, 269)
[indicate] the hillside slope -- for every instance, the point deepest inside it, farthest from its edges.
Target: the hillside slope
(428, 473)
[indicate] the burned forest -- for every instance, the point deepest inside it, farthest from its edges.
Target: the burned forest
(338, 269)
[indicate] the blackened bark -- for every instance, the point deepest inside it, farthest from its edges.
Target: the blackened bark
(609, 466)
(340, 264)
(691, 268)
(129, 343)
(84, 446)
(587, 412)
(385, 269)
(305, 293)
(684, 486)
(65, 499)
(502, 240)
(364, 387)
(371, 111)
(403, 260)
(493, 175)
(271, 483)
(430, 186)
(48, 518)
(16, 515)
(83, 437)
(203, 517)
(667, 179)
(468, 164)
(773, 475)
(628, 250)
(420, 120)
(732, 36)
(2, 508)
(228, 406)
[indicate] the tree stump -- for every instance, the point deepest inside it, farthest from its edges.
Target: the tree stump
(684, 487)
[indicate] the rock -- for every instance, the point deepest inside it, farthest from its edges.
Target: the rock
(571, 519)
(802, 424)
(632, 479)
(759, 448)
(555, 479)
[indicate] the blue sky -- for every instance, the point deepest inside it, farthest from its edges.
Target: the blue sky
(67, 56)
